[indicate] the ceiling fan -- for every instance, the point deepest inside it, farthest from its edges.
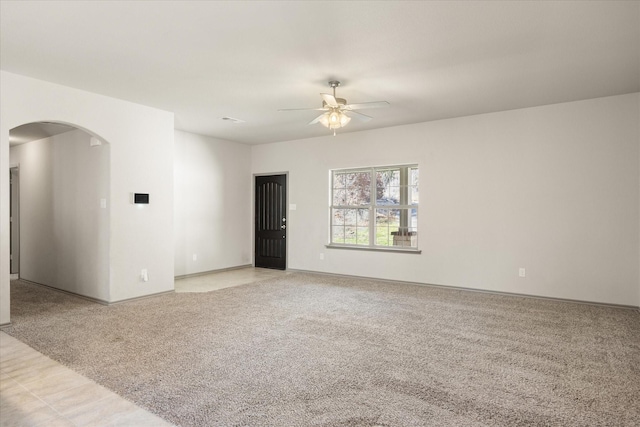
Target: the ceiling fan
(337, 113)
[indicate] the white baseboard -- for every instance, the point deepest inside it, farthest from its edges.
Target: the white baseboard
(204, 273)
(604, 304)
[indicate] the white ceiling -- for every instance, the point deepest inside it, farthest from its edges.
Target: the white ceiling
(431, 60)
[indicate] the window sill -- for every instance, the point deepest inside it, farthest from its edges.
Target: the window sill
(402, 250)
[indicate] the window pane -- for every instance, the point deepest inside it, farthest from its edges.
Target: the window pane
(407, 235)
(388, 187)
(338, 217)
(394, 217)
(339, 197)
(382, 229)
(413, 195)
(413, 222)
(337, 234)
(386, 177)
(362, 219)
(413, 186)
(387, 222)
(363, 236)
(339, 180)
(413, 176)
(350, 235)
(382, 236)
(393, 193)
(350, 217)
(358, 189)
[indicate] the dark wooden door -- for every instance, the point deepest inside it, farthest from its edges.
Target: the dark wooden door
(271, 222)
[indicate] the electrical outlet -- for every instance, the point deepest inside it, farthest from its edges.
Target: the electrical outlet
(321, 256)
(144, 275)
(522, 272)
(195, 257)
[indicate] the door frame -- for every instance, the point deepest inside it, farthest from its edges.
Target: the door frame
(253, 216)
(14, 215)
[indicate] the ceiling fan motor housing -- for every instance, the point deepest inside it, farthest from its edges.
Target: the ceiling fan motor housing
(340, 101)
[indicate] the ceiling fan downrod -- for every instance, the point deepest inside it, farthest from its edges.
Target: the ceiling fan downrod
(334, 84)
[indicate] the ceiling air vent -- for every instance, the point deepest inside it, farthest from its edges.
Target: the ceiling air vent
(232, 120)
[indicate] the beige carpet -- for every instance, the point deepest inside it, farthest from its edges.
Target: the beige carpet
(312, 350)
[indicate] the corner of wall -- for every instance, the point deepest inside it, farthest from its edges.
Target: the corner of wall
(638, 138)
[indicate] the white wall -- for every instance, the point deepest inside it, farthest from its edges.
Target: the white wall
(212, 203)
(553, 189)
(141, 148)
(64, 231)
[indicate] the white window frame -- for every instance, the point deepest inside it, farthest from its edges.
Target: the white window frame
(405, 205)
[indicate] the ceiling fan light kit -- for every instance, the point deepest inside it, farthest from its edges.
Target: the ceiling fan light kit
(334, 120)
(337, 113)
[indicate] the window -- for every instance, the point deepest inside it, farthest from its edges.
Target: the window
(375, 207)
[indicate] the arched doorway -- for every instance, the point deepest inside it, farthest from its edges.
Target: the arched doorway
(63, 204)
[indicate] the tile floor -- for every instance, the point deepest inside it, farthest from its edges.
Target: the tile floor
(226, 279)
(37, 391)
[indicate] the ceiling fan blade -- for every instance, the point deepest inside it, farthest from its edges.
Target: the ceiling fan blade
(329, 99)
(303, 109)
(316, 120)
(357, 116)
(363, 105)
